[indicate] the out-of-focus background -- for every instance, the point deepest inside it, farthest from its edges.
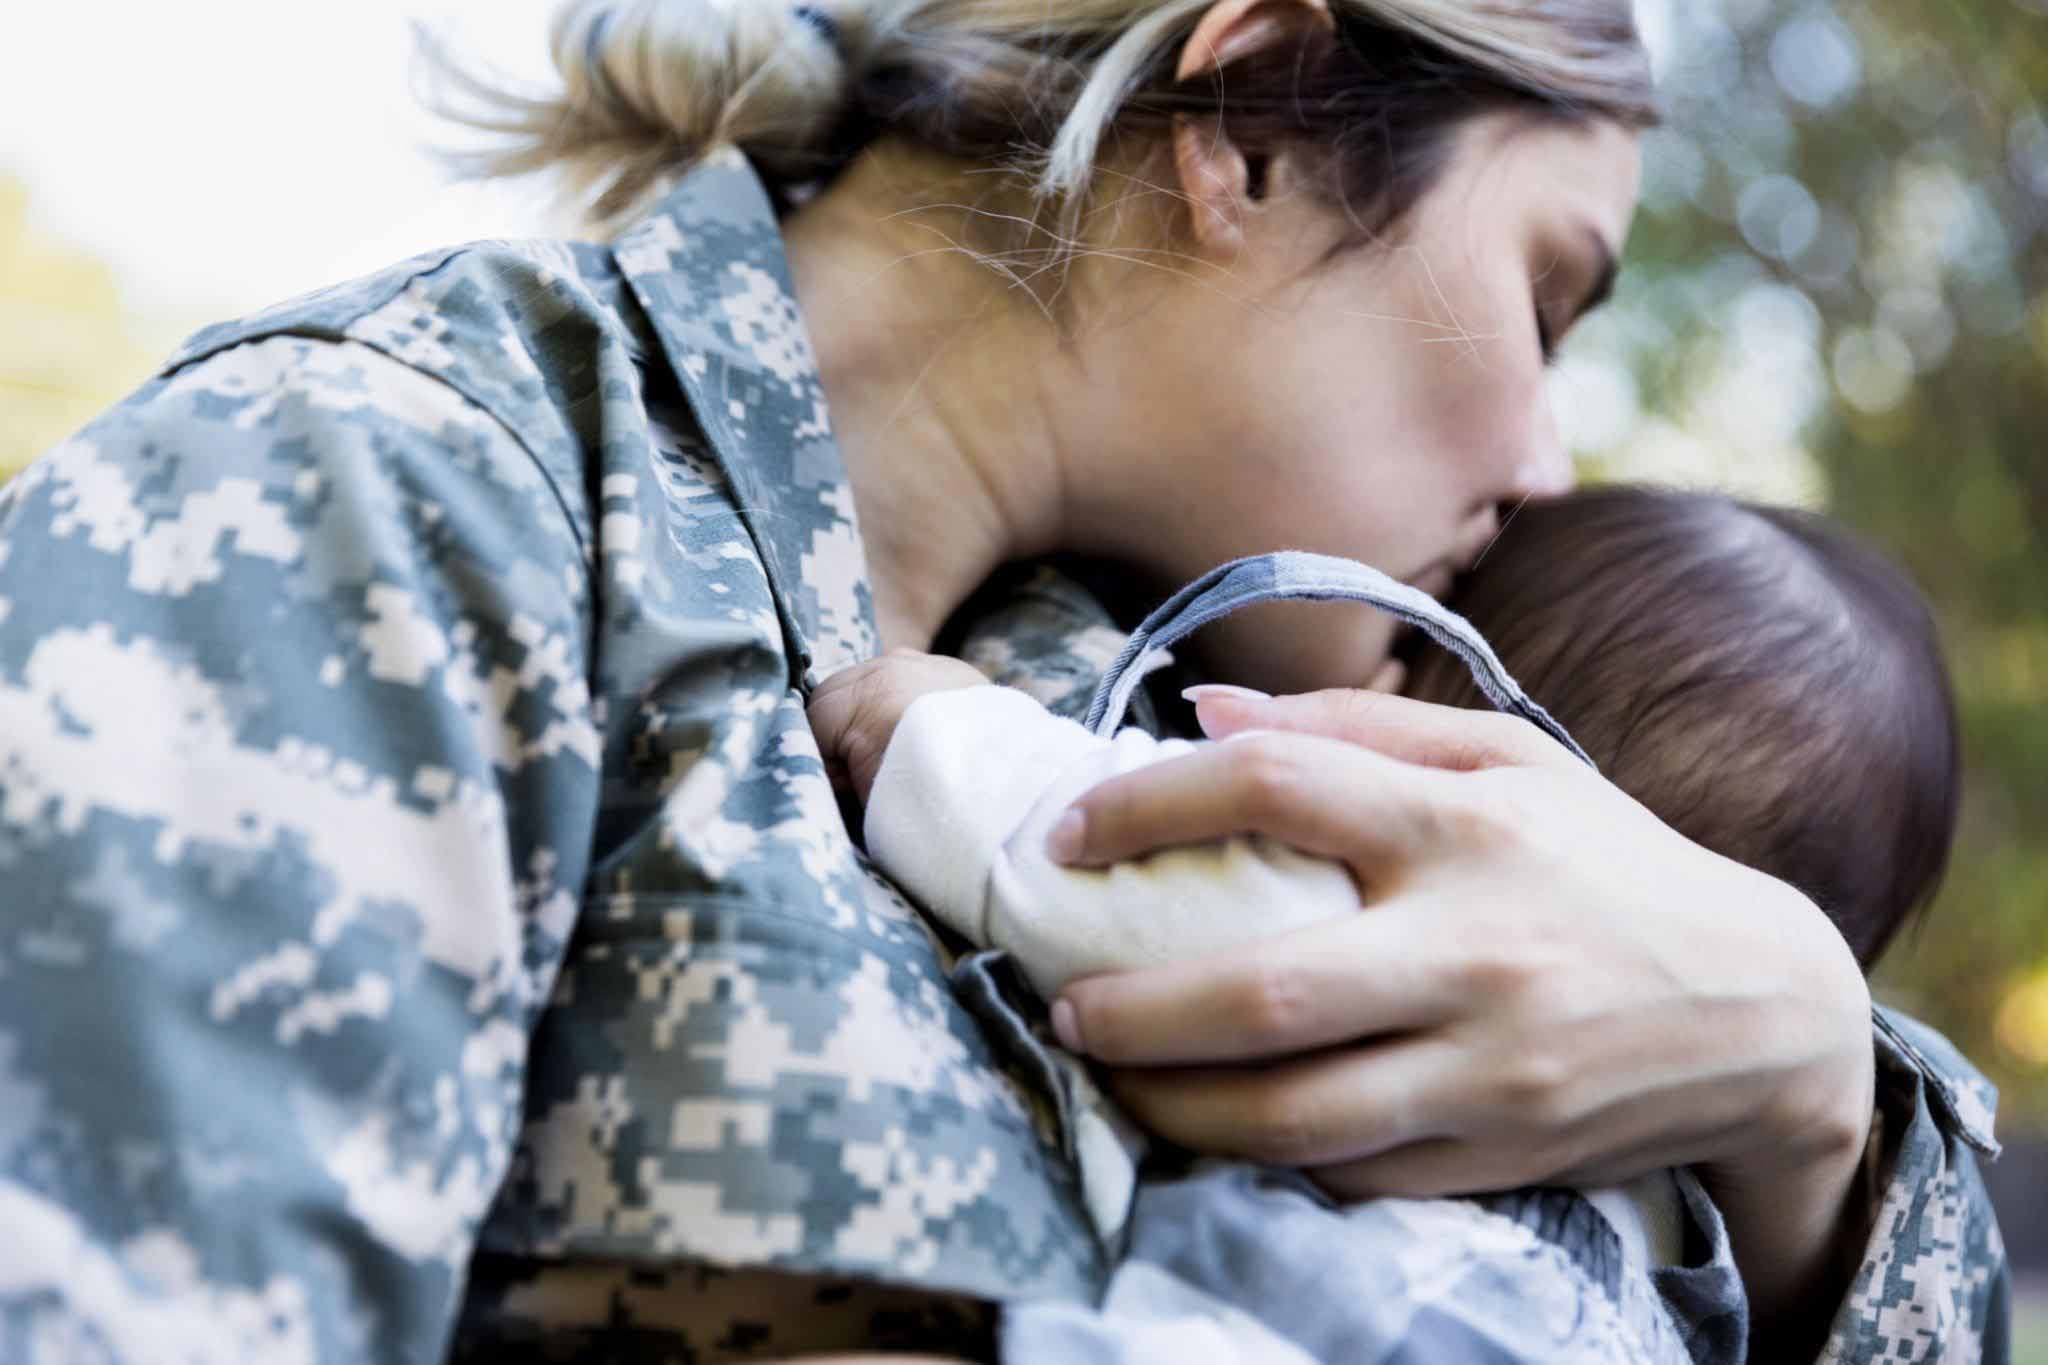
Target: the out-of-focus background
(1837, 295)
(165, 166)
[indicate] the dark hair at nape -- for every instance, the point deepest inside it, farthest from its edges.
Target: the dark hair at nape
(1760, 679)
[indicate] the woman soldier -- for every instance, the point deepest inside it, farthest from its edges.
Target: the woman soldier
(432, 926)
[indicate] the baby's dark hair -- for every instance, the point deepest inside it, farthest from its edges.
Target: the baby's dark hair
(1766, 684)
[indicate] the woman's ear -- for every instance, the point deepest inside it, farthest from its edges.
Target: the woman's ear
(1217, 177)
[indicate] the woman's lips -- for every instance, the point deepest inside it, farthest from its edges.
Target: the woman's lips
(1435, 580)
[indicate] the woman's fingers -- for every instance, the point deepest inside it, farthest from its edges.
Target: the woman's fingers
(1412, 731)
(1331, 1107)
(1369, 974)
(1500, 1153)
(1429, 1169)
(1317, 795)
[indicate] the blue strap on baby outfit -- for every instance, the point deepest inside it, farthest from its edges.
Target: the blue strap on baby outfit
(1292, 575)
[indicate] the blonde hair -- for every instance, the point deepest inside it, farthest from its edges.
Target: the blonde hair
(1034, 87)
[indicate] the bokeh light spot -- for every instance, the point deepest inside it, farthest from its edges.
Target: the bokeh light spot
(2022, 1026)
(1777, 216)
(1815, 60)
(1873, 368)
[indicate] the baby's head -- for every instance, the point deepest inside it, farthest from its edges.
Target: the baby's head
(1765, 684)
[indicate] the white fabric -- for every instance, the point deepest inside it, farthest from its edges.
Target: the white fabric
(971, 785)
(1647, 1214)
(950, 817)
(960, 774)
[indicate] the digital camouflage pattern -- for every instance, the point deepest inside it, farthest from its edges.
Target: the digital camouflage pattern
(431, 931)
(1232, 1262)
(381, 642)
(1041, 632)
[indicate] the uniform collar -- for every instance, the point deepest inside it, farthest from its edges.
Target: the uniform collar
(1962, 1099)
(708, 266)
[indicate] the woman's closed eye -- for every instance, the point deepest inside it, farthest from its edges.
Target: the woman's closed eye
(1552, 294)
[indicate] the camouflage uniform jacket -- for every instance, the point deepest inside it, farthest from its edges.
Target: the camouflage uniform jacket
(430, 928)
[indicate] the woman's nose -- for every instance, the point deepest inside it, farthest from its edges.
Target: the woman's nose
(1547, 470)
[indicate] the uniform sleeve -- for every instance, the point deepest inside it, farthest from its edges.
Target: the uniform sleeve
(1933, 1282)
(297, 775)
(968, 792)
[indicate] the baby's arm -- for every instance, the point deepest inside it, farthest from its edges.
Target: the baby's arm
(962, 784)
(947, 765)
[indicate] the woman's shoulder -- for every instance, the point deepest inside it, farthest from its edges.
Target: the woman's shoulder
(518, 327)
(538, 339)
(512, 321)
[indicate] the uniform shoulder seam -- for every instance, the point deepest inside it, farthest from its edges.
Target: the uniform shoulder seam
(286, 319)
(584, 551)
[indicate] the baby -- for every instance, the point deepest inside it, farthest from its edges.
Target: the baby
(1761, 682)
(1768, 686)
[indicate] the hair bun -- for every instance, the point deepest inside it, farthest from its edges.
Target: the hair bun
(650, 85)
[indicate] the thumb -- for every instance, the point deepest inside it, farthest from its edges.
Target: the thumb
(1418, 732)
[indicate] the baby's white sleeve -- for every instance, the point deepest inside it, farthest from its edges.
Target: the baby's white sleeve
(971, 785)
(960, 774)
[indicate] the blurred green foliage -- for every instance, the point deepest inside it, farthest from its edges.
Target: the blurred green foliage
(1838, 287)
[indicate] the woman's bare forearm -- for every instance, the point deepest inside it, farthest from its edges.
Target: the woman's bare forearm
(1798, 1204)
(1798, 1234)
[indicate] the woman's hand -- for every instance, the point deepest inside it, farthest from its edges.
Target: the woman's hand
(1548, 985)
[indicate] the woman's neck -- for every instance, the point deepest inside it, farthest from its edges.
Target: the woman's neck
(943, 388)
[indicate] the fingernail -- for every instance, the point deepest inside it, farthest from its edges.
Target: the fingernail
(1066, 1026)
(1223, 690)
(1064, 843)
